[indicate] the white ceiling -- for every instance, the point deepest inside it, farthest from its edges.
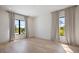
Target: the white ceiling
(33, 10)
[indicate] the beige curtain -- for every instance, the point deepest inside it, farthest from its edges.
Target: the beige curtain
(55, 25)
(70, 25)
(26, 26)
(12, 25)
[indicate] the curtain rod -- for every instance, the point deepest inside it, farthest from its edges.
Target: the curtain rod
(17, 13)
(64, 8)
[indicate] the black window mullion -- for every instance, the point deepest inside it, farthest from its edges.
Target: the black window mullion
(19, 27)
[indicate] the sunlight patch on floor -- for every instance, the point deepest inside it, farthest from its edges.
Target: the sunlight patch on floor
(67, 49)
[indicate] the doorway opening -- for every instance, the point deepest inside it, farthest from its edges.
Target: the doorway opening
(19, 29)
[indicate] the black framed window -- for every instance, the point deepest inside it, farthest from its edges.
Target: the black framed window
(19, 26)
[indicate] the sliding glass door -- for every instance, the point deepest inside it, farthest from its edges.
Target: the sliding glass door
(62, 28)
(22, 27)
(19, 28)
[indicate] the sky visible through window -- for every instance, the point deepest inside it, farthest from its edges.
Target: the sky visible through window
(22, 24)
(61, 22)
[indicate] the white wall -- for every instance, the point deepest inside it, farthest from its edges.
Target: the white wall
(43, 26)
(4, 26)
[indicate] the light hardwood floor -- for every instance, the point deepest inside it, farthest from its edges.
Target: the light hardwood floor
(34, 45)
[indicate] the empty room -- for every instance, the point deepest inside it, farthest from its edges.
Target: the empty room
(39, 29)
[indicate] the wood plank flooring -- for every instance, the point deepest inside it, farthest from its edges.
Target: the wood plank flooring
(34, 45)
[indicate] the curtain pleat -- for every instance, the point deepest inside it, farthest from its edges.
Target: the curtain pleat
(26, 26)
(70, 25)
(12, 25)
(55, 25)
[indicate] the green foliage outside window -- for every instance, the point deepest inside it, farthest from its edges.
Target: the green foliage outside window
(61, 31)
(22, 30)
